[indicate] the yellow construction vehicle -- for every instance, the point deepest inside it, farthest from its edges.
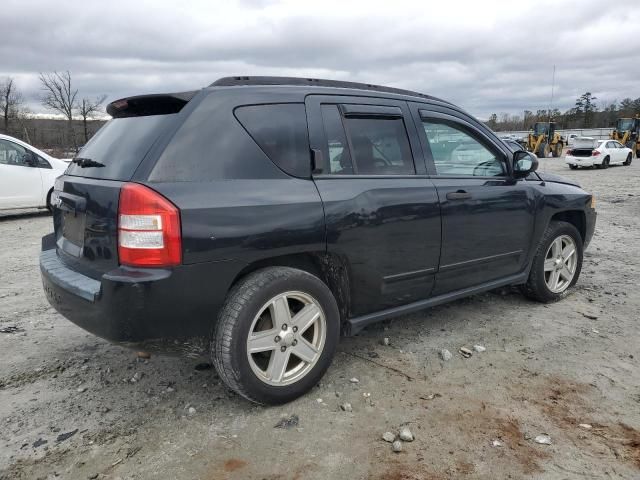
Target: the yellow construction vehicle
(543, 139)
(627, 132)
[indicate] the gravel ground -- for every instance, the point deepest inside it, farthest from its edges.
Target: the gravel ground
(74, 406)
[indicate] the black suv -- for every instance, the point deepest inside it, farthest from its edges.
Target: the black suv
(259, 218)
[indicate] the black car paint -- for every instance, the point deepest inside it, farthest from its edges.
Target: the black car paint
(246, 212)
(552, 177)
(364, 214)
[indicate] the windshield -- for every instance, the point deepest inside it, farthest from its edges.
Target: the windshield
(624, 124)
(117, 149)
(540, 128)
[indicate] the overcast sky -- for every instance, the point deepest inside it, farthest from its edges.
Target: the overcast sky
(486, 56)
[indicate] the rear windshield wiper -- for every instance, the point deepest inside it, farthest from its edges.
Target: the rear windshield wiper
(86, 162)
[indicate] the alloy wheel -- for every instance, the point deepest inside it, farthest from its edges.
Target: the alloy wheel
(286, 338)
(560, 263)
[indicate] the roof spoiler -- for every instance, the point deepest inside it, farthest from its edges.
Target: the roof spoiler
(143, 105)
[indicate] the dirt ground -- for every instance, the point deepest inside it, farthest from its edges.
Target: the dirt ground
(69, 408)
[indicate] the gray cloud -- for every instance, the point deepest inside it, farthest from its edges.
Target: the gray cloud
(487, 56)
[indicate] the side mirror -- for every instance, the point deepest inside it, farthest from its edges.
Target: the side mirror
(29, 158)
(524, 163)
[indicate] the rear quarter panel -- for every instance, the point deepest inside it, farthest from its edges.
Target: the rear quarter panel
(248, 219)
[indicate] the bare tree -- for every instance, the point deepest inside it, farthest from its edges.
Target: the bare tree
(10, 102)
(60, 96)
(87, 109)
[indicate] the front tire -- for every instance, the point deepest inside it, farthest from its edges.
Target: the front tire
(556, 265)
(543, 150)
(276, 335)
(48, 204)
(628, 160)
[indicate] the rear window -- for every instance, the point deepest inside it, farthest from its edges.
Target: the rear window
(120, 145)
(281, 132)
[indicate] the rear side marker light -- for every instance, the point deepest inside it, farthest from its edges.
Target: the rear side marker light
(595, 153)
(148, 228)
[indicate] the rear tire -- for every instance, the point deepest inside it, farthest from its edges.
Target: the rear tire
(559, 261)
(605, 162)
(628, 160)
(573, 167)
(557, 150)
(259, 307)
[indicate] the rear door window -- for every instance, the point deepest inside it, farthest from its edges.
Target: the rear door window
(339, 155)
(281, 132)
(366, 146)
(119, 146)
(380, 146)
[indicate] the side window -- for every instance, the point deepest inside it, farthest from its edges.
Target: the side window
(456, 152)
(11, 153)
(339, 155)
(281, 132)
(366, 146)
(379, 146)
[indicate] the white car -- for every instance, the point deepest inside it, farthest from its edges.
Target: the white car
(588, 152)
(27, 175)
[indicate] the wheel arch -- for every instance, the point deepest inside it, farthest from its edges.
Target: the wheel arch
(332, 269)
(47, 200)
(576, 218)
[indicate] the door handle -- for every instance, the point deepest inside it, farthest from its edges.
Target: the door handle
(459, 195)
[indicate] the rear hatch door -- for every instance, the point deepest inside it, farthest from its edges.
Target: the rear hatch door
(85, 198)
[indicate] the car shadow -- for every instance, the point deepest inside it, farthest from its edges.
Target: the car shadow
(17, 214)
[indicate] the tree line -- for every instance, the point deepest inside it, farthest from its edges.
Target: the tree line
(584, 114)
(58, 95)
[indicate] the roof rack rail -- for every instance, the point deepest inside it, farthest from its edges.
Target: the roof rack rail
(316, 82)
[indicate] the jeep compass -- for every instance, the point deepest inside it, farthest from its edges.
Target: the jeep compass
(258, 219)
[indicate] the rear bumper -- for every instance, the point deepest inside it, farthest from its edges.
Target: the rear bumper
(160, 310)
(583, 161)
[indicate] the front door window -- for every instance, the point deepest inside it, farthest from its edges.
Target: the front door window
(455, 152)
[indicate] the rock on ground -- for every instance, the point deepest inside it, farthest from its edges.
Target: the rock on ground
(445, 355)
(406, 435)
(388, 437)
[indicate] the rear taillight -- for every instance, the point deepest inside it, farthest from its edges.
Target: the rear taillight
(595, 153)
(148, 228)
(569, 152)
